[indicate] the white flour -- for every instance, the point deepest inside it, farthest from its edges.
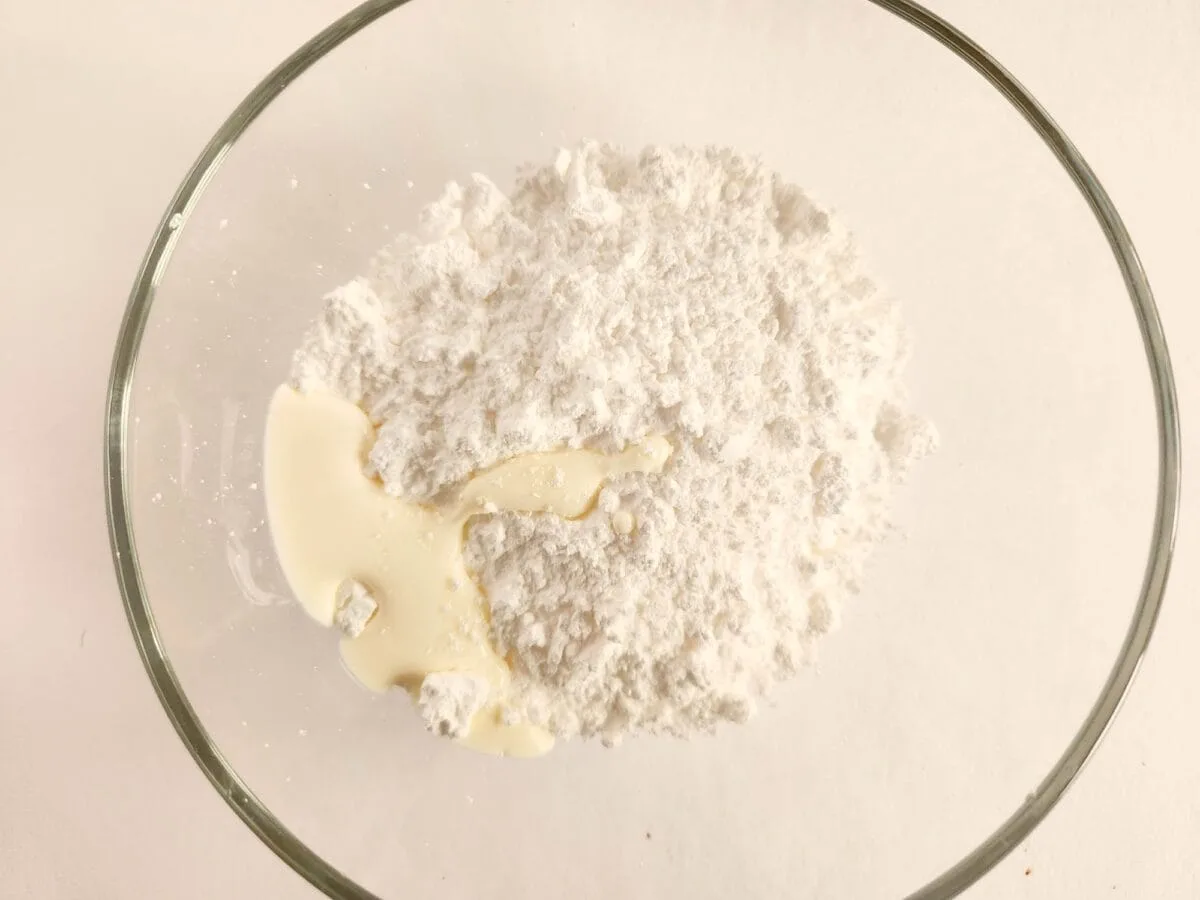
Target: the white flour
(689, 294)
(448, 700)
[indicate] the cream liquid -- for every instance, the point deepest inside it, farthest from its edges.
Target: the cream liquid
(330, 522)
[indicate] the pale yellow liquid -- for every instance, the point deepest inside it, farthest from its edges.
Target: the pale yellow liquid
(331, 522)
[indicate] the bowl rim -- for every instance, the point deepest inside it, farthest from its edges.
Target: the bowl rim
(334, 883)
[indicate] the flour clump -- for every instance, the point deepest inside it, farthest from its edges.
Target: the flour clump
(689, 294)
(449, 701)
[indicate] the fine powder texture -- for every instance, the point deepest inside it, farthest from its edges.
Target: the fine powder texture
(448, 700)
(691, 294)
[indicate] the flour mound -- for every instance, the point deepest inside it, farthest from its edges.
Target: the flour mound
(689, 294)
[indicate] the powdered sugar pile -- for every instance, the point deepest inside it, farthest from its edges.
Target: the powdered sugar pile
(688, 294)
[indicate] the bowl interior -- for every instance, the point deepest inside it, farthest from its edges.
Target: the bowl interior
(987, 624)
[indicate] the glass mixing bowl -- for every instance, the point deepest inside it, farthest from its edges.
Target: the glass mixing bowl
(915, 756)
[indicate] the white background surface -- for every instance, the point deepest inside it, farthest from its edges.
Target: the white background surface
(103, 109)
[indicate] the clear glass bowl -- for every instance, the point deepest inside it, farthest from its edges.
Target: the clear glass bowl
(916, 755)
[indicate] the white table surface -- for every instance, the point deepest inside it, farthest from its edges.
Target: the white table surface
(103, 107)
